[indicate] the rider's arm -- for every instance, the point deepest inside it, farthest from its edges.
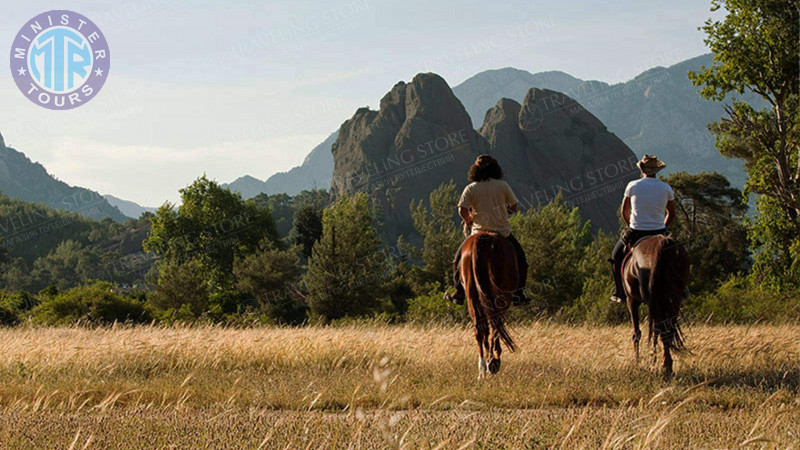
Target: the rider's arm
(670, 213)
(464, 213)
(626, 210)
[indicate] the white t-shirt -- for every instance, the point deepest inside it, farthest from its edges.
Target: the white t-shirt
(649, 197)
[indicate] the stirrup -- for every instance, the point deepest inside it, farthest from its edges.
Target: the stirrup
(616, 298)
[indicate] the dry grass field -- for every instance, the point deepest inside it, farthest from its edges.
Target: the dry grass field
(393, 386)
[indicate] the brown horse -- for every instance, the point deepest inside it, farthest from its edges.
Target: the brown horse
(656, 274)
(488, 270)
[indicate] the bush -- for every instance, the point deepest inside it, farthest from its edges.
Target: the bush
(432, 308)
(8, 316)
(180, 289)
(270, 277)
(555, 239)
(594, 305)
(96, 303)
(13, 306)
(740, 300)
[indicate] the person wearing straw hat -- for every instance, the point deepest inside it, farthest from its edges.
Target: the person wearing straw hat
(647, 209)
(485, 206)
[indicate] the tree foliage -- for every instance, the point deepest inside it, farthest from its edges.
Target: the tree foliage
(436, 223)
(555, 240)
(307, 228)
(348, 268)
(709, 215)
(756, 49)
(213, 226)
(271, 276)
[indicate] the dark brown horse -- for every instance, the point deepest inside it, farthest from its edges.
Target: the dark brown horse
(656, 274)
(488, 270)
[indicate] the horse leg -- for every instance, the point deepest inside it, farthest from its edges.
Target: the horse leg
(487, 349)
(633, 307)
(482, 336)
(667, 366)
(496, 351)
(479, 338)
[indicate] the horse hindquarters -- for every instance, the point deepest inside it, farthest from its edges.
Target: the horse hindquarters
(495, 259)
(476, 311)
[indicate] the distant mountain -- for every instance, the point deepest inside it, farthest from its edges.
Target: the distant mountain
(658, 111)
(422, 137)
(481, 92)
(22, 179)
(315, 172)
(129, 208)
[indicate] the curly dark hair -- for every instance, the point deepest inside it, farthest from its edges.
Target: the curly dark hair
(485, 167)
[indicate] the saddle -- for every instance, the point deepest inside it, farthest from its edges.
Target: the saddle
(630, 247)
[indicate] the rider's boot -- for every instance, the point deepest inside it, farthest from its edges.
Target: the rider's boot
(619, 290)
(456, 297)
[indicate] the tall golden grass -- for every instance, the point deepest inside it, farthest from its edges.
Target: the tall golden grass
(393, 386)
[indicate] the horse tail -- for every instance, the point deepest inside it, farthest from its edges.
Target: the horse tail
(666, 286)
(487, 287)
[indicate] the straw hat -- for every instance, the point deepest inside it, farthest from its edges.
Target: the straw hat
(650, 164)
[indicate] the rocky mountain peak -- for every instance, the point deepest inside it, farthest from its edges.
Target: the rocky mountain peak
(422, 136)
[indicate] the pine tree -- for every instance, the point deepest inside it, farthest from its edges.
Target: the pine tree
(348, 268)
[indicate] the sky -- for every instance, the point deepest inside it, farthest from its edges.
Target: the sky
(243, 87)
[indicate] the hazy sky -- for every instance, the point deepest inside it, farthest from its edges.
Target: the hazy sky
(250, 87)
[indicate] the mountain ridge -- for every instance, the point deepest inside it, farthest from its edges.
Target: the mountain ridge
(422, 136)
(657, 111)
(26, 180)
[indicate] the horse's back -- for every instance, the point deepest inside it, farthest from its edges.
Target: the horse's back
(646, 250)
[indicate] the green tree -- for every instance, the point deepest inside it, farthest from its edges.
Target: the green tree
(284, 208)
(437, 225)
(709, 223)
(756, 49)
(347, 269)
(181, 292)
(212, 225)
(593, 304)
(271, 275)
(307, 228)
(281, 208)
(67, 266)
(555, 240)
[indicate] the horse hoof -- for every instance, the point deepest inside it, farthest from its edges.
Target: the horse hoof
(494, 366)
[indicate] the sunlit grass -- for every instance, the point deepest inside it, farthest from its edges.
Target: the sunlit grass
(377, 385)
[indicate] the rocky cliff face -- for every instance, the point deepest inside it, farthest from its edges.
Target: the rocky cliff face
(550, 144)
(422, 136)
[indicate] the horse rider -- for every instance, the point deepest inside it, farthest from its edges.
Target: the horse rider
(647, 209)
(485, 206)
